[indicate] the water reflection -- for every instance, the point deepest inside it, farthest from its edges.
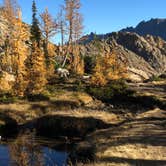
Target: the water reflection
(25, 151)
(29, 150)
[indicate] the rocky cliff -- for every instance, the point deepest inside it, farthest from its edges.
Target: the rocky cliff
(144, 56)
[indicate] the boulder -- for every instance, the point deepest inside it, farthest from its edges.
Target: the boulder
(6, 81)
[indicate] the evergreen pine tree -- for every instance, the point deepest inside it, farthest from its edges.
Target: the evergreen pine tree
(35, 30)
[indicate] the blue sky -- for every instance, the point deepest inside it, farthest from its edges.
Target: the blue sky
(103, 16)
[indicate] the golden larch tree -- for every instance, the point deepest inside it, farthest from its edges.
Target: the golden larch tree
(73, 17)
(20, 52)
(37, 71)
(77, 65)
(9, 13)
(108, 68)
(61, 21)
(49, 29)
(78, 27)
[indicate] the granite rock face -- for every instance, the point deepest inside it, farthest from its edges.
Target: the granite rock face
(145, 56)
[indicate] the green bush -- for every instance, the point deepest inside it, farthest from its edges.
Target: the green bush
(115, 90)
(7, 98)
(51, 89)
(156, 78)
(79, 86)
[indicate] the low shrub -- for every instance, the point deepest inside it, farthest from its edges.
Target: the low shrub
(79, 86)
(7, 98)
(157, 78)
(113, 91)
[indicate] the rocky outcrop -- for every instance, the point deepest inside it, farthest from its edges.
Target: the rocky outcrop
(6, 81)
(144, 56)
(5, 28)
(151, 49)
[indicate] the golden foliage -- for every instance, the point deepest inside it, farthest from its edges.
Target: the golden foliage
(98, 77)
(36, 71)
(15, 48)
(107, 68)
(51, 64)
(74, 19)
(77, 61)
(20, 51)
(48, 25)
(49, 29)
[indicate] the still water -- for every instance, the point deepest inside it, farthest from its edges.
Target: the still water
(29, 150)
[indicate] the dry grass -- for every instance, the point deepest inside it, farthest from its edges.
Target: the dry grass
(79, 97)
(23, 112)
(163, 82)
(135, 151)
(75, 104)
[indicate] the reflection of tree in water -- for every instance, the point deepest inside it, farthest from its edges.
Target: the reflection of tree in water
(24, 151)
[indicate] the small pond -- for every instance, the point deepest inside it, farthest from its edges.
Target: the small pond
(30, 150)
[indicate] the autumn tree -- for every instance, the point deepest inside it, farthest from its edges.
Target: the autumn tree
(9, 13)
(49, 29)
(35, 29)
(35, 62)
(77, 27)
(73, 18)
(98, 78)
(15, 47)
(20, 51)
(62, 27)
(36, 71)
(108, 68)
(77, 65)
(74, 30)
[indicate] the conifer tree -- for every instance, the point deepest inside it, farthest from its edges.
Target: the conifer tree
(62, 27)
(37, 71)
(74, 21)
(78, 61)
(20, 52)
(49, 29)
(107, 68)
(10, 14)
(35, 30)
(73, 18)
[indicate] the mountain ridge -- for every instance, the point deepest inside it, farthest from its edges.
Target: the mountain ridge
(154, 27)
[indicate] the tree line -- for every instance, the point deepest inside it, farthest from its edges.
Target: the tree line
(28, 56)
(31, 57)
